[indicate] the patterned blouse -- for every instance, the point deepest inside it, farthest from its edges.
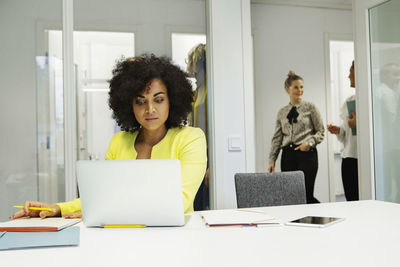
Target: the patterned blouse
(308, 128)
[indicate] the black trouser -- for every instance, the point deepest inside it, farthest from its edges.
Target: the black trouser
(306, 161)
(350, 178)
(202, 198)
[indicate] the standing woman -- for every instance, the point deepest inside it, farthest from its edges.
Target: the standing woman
(299, 128)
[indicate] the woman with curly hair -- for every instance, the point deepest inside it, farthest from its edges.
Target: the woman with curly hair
(151, 99)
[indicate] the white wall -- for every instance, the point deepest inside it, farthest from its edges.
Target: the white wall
(228, 91)
(291, 38)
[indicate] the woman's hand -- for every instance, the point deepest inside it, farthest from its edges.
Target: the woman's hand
(271, 168)
(333, 129)
(26, 212)
(303, 147)
(74, 215)
(352, 121)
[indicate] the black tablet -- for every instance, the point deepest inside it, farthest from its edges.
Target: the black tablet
(315, 221)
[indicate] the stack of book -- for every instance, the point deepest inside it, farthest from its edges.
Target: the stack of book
(37, 232)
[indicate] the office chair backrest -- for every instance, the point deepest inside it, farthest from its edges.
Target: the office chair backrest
(270, 189)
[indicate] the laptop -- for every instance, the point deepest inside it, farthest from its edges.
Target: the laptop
(131, 192)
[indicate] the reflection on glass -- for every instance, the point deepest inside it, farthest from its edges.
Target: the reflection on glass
(24, 69)
(385, 69)
(189, 52)
(27, 168)
(50, 128)
(197, 68)
(95, 54)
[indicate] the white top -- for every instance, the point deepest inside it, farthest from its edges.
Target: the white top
(388, 101)
(369, 236)
(345, 136)
(386, 117)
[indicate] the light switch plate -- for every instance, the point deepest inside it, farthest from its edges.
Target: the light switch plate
(234, 143)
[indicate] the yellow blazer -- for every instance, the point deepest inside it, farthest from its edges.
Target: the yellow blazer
(188, 144)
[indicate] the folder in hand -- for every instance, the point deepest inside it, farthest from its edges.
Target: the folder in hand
(351, 106)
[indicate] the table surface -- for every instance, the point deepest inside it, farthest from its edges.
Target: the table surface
(369, 236)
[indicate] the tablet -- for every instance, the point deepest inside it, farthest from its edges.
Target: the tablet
(315, 221)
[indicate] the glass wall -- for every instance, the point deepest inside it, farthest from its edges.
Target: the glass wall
(95, 53)
(27, 74)
(164, 28)
(385, 70)
(189, 52)
(31, 81)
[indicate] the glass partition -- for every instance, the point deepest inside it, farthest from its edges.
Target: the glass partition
(130, 28)
(31, 81)
(385, 74)
(26, 77)
(50, 128)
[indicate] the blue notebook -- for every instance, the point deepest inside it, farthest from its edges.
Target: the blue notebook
(19, 240)
(351, 106)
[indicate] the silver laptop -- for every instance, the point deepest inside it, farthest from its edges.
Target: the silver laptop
(121, 192)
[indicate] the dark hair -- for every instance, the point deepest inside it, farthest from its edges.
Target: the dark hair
(292, 76)
(130, 77)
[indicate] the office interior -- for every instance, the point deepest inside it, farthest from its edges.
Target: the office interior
(54, 84)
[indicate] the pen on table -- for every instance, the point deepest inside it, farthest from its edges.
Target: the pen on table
(249, 225)
(124, 226)
(33, 208)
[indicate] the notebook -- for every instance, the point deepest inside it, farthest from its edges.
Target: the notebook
(131, 192)
(18, 240)
(37, 224)
(239, 217)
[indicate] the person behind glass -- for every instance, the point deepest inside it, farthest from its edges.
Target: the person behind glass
(299, 128)
(387, 130)
(196, 68)
(151, 99)
(349, 140)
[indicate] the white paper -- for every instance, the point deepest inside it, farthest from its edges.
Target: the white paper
(58, 223)
(237, 217)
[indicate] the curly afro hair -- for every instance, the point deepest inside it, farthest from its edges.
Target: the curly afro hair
(130, 77)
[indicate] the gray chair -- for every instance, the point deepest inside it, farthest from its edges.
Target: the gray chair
(270, 189)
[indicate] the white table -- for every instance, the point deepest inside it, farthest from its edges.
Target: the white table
(369, 236)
